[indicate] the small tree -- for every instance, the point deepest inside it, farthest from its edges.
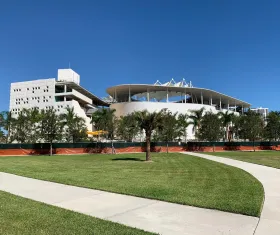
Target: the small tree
(227, 119)
(169, 129)
(20, 129)
(196, 118)
(51, 127)
(33, 117)
(148, 122)
(251, 126)
(272, 129)
(105, 119)
(127, 127)
(6, 123)
(183, 124)
(74, 126)
(211, 128)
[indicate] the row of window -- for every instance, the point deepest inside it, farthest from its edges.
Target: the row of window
(33, 88)
(17, 110)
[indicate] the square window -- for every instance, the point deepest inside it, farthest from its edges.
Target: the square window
(28, 89)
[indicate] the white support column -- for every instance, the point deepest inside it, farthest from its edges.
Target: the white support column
(65, 90)
(167, 98)
(201, 98)
(115, 95)
(220, 103)
(228, 106)
(185, 97)
(211, 101)
(148, 95)
(129, 98)
(182, 98)
(242, 110)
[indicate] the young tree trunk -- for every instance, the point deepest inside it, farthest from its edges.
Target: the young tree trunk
(254, 145)
(167, 147)
(148, 146)
(213, 147)
(112, 147)
(51, 150)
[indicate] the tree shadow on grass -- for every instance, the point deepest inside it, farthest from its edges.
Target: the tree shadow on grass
(128, 159)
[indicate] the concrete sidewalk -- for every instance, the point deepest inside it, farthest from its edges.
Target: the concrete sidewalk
(150, 215)
(270, 178)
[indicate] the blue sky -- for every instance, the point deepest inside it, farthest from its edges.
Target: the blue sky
(229, 46)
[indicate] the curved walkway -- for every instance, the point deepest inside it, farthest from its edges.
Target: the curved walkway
(150, 215)
(269, 223)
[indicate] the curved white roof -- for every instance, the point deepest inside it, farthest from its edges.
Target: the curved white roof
(159, 92)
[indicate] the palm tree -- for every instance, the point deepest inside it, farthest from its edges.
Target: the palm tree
(183, 124)
(74, 125)
(227, 119)
(149, 122)
(196, 118)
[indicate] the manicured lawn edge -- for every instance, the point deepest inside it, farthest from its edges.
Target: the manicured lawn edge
(131, 193)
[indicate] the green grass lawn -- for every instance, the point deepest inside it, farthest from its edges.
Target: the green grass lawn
(175, 177)
(20, 216)
(266, 158)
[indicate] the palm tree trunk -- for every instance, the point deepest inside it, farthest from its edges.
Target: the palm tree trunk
(148, 146)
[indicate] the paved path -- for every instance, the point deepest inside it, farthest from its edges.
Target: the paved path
(270, 178)
(150, 215)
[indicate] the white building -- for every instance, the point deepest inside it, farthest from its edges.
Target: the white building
(58, 94)
(178, 97)
(262, 111)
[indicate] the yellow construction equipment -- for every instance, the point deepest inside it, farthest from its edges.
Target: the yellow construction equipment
(97, 133)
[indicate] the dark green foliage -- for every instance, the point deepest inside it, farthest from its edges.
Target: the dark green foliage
(211, 128)
(127, 127)
(51, 127)
(169, 130)
(196, 118)
(74, 126)
(227, 119)
(105, 119)
(272, 129)
(183, 124)
(251, 126)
